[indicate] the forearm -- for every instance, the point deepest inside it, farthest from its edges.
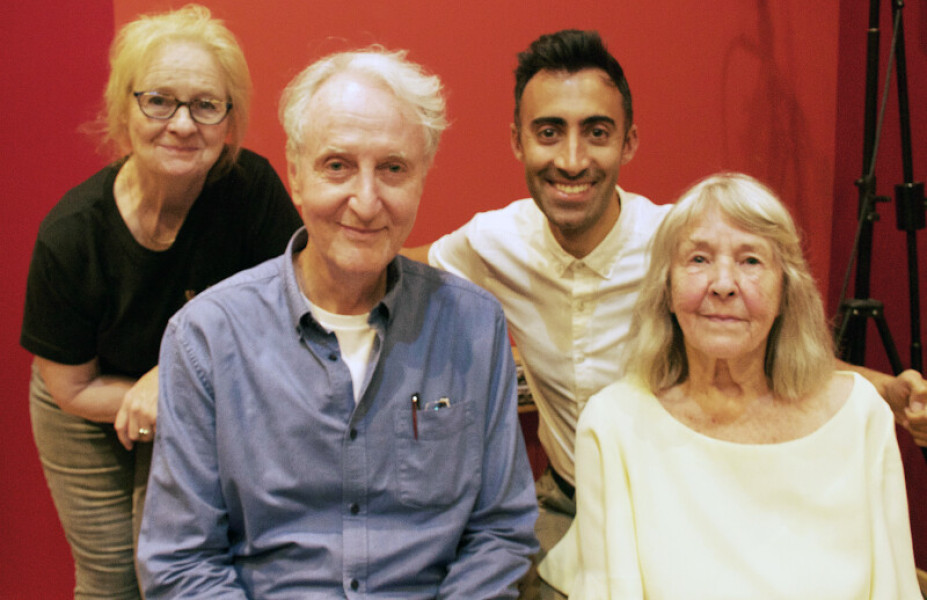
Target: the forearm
(81, 390)
(496, 548)
(100, 400)
(906, 395)
(183, 574)
(876, 378)
(183, 547)
(497, 545)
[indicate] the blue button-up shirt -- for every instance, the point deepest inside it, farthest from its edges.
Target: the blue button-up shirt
(268, 481)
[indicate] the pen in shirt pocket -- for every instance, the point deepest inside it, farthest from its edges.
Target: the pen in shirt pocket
(416, 403)
(416, 406)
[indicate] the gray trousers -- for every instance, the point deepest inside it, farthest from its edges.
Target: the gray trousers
(98, 488)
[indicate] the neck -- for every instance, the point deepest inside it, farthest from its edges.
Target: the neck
(154, 207)
(724, 388)
(579, 243)
(337, 292)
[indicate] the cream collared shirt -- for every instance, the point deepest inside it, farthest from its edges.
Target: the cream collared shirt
(569, 317)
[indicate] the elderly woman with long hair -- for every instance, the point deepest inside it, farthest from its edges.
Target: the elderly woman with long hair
(183, 207)
(734, 461)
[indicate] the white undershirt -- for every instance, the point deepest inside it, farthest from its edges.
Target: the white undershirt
(355, 339)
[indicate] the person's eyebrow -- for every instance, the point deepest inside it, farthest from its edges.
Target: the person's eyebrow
(596, 119)
(561, 122)
(541, 121)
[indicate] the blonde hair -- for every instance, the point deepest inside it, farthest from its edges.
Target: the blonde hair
(799, 348)
(138, 41)
(407, 80)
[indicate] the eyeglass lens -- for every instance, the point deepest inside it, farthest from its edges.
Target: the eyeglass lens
(163, 106)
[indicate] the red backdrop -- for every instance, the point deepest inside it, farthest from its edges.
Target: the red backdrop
(774, 89)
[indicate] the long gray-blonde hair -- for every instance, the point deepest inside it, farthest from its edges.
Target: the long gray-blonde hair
(799, 349)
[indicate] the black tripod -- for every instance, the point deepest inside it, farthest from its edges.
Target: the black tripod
(910, 210)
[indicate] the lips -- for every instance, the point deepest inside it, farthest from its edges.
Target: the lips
(571, 189)
(723, 318)
(360, 232)
(179, 151)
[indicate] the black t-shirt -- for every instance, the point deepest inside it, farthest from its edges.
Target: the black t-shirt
(93, 291)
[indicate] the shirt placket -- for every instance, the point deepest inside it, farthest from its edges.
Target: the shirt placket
(582, 305)
(353, 475)
(354, 511)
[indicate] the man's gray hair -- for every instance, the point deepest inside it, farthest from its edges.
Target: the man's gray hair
(407, 80)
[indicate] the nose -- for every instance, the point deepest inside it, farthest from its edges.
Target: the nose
(365, 201)
(181, 121)
(723, 283)
(572, 157)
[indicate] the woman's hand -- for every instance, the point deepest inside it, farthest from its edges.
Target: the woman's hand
(138, 414)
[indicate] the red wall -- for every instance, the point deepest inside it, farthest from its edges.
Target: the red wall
(53, 71)
(731, 85)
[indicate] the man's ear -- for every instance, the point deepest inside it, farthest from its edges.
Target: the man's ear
(292, 173)
(515, 140)
(629, 148)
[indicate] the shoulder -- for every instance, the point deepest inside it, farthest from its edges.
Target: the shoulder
(444, 285)
(251, 161)
(641, 210)
(249, 169)
(623, 397)
(249, 190)
(499, 239)
(82, 198)
(864, 398)
(84, 208)
(250, 292)
(519, 218)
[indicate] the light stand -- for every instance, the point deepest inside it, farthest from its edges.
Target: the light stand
(910, 211)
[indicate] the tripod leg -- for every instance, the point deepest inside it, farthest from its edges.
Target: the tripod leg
(879, 317)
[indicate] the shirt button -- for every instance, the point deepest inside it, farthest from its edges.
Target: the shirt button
(333, 357)
(355, 509)
(355, 584)
(353, 434)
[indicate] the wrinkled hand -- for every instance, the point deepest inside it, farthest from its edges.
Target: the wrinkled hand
(907, 395)
(137, 417)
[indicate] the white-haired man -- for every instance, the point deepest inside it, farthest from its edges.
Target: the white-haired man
(340, 421)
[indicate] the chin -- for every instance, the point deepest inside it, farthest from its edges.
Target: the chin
(569, 223)
(363, 265)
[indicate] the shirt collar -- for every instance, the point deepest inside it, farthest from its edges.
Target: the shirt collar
(602, 258)
(382, 313)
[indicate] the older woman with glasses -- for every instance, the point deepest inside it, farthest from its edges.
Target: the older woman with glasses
(734, 461)
(184, 207)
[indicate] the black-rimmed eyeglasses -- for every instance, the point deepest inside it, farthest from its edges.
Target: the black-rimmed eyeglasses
(205, 111)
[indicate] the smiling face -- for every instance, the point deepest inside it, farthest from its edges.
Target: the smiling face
(725, 290)
(358, 177)
(179, 146)
(572, 141)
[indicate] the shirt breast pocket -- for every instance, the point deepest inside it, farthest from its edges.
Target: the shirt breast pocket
(438, 466)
